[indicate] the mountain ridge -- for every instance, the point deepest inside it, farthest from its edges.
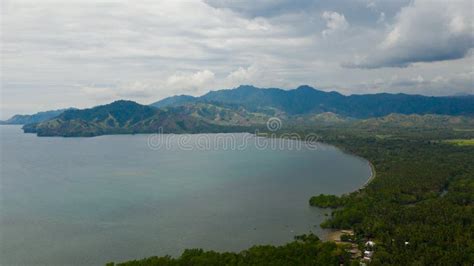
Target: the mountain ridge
(128, 117)
(305, 100)
(19, 119)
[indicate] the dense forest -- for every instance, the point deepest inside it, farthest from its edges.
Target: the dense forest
(305, 250)
(419, 210)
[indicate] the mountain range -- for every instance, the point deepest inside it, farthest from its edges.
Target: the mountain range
(307, 100)
(244, 109)
(128, 117)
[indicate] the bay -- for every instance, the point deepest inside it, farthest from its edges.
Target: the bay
(81, 201)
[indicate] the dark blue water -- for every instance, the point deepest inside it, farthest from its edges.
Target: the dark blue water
(113, 198)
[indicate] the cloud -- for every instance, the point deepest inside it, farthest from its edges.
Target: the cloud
(442, 85)
(334, 22)
(262, 8)
(425, 31)
(249, 75)
(130, 90)
(90, 52)
(381, 18)
(191, 82)
(99, 92)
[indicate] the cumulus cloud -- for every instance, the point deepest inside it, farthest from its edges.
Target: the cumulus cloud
(334, 22)
(249, 75)
(425, 31)
(191, 82)
(194, 83)
(130, 90)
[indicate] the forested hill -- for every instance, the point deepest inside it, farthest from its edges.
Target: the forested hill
(306, 100)
(128, 117)
(303, 101)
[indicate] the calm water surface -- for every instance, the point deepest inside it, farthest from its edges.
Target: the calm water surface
(112, 198)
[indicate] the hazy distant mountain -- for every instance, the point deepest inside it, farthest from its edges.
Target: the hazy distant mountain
(174, 101)
(307, 100)
(34, 118)
(127, 117)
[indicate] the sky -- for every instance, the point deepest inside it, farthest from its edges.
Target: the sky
(80, 53)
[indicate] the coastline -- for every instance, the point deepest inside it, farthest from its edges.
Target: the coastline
(334, 234)
(373, 172)
(372, 176)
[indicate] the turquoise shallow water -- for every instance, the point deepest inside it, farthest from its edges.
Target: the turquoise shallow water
(113, 198)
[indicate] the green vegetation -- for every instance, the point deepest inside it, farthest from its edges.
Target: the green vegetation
(347, 238)
(423, 194)
(307, 100)
(461, 142)
(419, 209)
(305, 250)
(127, 117)
(327, 201)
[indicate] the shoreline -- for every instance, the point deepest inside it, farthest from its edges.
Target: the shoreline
(334, 234)
(372, 176)
(373, 172)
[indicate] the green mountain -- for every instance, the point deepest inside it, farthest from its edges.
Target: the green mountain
(307, 100)
(127, 117)
(227, 115)
(305, 103)
(247, 108)
(34, 118)
(176, 100)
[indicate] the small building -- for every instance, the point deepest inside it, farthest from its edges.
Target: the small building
(370, 244)
(368, 254)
